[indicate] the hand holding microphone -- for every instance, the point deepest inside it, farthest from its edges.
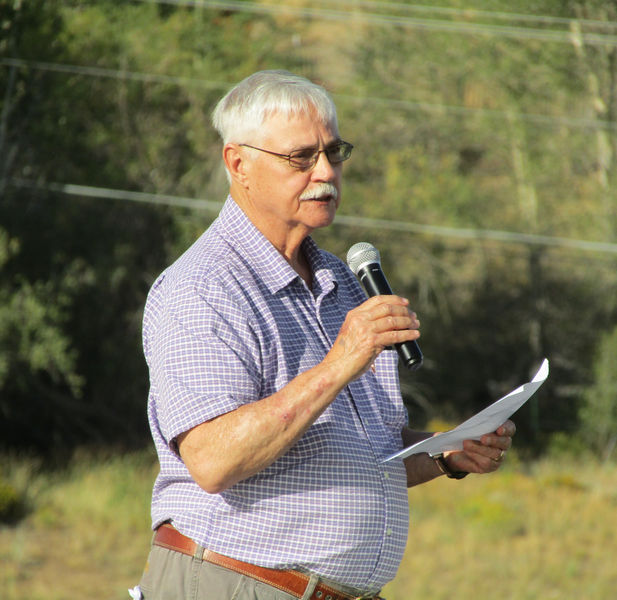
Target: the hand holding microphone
(364, 260)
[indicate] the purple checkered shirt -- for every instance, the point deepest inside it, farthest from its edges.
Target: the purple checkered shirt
(231, 322)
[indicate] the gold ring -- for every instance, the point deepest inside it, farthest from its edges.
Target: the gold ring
(500, 457)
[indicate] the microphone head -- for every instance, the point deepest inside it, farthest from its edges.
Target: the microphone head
(362, 254)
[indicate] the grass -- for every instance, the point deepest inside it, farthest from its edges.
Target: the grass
(87, 535)
(544, 530)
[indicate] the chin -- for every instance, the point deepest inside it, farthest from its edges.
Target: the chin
(326, 217)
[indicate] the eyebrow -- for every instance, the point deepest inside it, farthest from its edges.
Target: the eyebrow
(313, 147)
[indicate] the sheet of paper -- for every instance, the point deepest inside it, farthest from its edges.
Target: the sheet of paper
(486, 421)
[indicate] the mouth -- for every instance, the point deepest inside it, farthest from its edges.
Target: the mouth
(323, 199)
(324, 193)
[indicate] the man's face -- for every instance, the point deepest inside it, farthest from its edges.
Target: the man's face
(287, 201)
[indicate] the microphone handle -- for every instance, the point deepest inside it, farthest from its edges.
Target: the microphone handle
(376, 284)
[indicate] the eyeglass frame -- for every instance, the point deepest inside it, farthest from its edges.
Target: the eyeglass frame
(288, 157)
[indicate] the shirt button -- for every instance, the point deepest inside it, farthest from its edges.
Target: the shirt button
(386, 475)
(388, 531)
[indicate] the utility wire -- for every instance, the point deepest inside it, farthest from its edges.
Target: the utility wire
(200, 204)
(123, 74)
(90, 191)
(112, 73)
(576, 37)
(485, 112)
(467, 13)
(347, 220)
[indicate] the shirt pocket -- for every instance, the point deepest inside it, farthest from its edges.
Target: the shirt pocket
(390, 401)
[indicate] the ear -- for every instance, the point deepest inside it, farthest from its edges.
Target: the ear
(236, 164)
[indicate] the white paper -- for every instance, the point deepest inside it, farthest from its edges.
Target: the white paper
(486, 421)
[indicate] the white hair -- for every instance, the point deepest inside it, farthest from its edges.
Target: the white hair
(251, 102)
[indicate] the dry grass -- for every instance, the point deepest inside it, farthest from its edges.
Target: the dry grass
(546, 531)
(88, 535)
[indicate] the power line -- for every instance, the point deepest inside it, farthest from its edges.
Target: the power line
(123, 74)
(103, 72)
(90, 191)
(479, 234)
(486, 112)
(346, 220)
(576, 37)
(467, 13)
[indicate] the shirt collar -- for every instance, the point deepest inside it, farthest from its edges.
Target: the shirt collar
(273, 269)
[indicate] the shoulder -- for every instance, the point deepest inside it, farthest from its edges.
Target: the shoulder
(201, 263)
(208, 280)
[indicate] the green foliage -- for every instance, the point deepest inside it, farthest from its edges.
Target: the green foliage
(76, 271)
(452, 130)
(11, 504)
(599, 412)
(569, 446)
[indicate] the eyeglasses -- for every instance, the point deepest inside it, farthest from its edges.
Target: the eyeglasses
(306, 158)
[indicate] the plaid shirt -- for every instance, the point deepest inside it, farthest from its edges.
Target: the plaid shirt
(231, 322)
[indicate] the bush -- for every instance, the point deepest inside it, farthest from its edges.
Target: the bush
(11, 503)
(598, 414)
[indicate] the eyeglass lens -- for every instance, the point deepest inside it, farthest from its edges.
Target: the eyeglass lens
(308, 157)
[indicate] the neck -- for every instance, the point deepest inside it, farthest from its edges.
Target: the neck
(303, 269)
(288, 243)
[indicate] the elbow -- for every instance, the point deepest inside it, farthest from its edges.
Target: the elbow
(211, 480)
(204, 468)
(209, 476)
(211, 484)
(213, 470)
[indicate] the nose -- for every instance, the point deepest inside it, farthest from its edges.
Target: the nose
(324, 170)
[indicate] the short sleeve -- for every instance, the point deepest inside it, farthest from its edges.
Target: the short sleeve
(204, 361)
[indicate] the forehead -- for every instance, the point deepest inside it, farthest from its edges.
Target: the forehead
(297, 130)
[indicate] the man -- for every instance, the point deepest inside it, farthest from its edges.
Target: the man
(273, 398)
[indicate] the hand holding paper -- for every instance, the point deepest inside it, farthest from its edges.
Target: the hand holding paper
(486, 421)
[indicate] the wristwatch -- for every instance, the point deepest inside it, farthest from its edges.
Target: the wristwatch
(446, 470)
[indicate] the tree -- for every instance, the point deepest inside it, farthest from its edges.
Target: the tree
(75, 270)
(487, 132)
(599, 412)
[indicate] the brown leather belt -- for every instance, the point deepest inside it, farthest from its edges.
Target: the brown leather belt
(291, 582)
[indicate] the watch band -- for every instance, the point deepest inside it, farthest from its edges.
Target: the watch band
(446, 470)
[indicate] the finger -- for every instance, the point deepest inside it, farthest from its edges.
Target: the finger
(501, 442)
(385, 309)
(392, 299)
(394, 323)
(500, 456)
(397, 336)
(393, 316)
(472, 461)
(486, 457)
(508, 429)
(379, 306)
(502, 438)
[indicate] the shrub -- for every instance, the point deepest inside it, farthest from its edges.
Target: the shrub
(11, 503)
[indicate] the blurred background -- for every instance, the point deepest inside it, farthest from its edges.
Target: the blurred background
(484, 168)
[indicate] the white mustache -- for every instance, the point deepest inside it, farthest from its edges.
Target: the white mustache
(319, 191)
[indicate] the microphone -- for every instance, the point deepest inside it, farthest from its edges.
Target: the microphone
(364, 260)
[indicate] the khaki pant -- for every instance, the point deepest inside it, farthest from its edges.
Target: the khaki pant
(171, 575)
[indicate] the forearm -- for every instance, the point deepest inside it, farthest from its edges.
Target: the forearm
(477, 456)
(236, 445)
(241, 443)
(420, 467)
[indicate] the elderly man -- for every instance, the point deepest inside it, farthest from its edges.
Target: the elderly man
(273, 394)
